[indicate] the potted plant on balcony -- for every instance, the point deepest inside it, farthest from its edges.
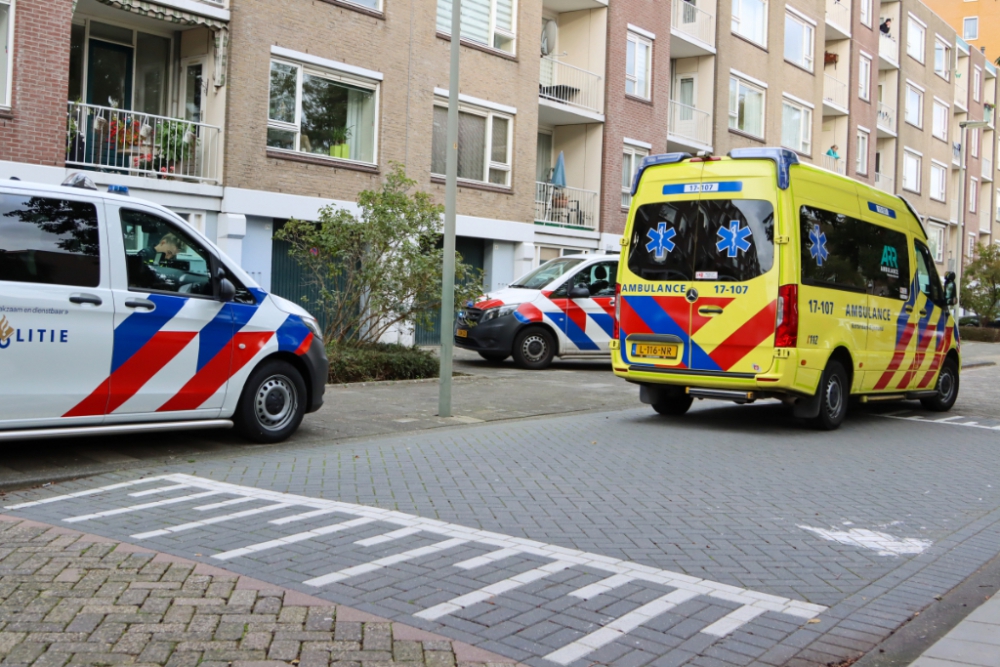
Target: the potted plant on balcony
(173, 142)
(338, 142)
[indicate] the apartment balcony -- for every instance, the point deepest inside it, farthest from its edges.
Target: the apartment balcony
(885, 124)
(688, 128)
(565, 207)
(693, 28)
(961, 96)
(888, 52)
(985, 224)
(835, 96)
(838, 19)
(569, 95)
(956, 155)
(835, 164)
(140, 144)
(987, 169)
(884, 183)
(560, 6)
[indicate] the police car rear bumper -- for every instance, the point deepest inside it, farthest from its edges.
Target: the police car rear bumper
(496, 335)
(319, 371)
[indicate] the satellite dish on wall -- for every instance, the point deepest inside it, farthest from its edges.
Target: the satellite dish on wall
(549, 33)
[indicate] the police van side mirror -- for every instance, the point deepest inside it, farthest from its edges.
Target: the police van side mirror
(580, 291)
(227, 291)
(950, 290)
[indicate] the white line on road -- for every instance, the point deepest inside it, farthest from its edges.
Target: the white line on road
(334, 577)
(948, 421)
(224, 503)
(602, 586)
(162, 489)
(86, 492)
(301, 517)
(491, 557)
(292, 539)
(388, 537)
(214, 519)
(733, 620)
(143, 506)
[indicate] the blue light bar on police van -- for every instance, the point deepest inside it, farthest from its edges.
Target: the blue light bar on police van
(118, 189)
(782, 157)
(654, 160)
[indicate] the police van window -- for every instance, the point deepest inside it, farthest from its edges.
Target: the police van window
(598, 278)
(546, 273)
(49, 241)
(723, 239)
(887, 263)
(927, 276)
(162, 258)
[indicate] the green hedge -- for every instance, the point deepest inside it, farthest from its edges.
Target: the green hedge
(380, 361)
(979, 334)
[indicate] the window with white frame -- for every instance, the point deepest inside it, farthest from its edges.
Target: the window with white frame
(942, 59)
(862, 162)
(970, 28)
(7, 50)
(935, 242)
(914, 106)
(631, 158)
(799, 41)
(974, 142)
(970, 246)
(750, 20)
(321, 112)
(911, 171)
(977, 83)
(998, 204)
(866, 12)
(865, 78)
(973, 194)
(484, 143)
(939, 176)
(746, 107)
(638, 64)
(940, 121)
(916, 33)
(796, 126)
(487, 22)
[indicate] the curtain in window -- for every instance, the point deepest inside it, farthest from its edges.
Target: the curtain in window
(751, 111)
(439, 141)
(543, 158)
(471, 146)
(505, 15)
(791, 127)
(475, 19)
(5, 51)
(361, 123)
(152, 54)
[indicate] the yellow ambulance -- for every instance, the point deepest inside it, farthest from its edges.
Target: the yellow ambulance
(753, 276)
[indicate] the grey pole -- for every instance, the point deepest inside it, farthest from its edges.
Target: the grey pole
(961, 218)
(450, 195)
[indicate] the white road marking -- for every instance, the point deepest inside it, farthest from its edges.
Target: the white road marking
(883, 543)
(493, 590)
(949, 421)
(162, 489)
(143, 506)
(292, 539)
(619, 571)
(619, 627)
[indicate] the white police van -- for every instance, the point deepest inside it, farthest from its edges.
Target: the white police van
(117, 316)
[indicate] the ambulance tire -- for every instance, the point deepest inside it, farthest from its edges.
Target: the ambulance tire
(534, 348)
(494, 357)
(272, 404)
(947, 387)
(834, 394)
(673, 406)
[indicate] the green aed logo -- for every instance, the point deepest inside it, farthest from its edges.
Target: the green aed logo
(889, 258)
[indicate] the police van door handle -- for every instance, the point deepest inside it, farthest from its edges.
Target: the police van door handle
(141, 303)
(85, 298)
(710, 310)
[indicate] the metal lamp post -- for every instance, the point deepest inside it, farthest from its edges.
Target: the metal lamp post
(962, 206)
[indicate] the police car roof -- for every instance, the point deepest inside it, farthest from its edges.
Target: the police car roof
(63, 190)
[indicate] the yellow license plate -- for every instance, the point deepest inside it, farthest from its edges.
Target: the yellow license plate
(462, 333)
(655, 351)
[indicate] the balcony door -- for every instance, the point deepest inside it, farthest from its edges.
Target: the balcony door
(109, 74)
(686, 87)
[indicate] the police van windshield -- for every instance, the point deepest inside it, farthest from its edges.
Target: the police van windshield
(713, 239)
(546, 273)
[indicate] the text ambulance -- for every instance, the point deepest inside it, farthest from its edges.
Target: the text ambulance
(753, 276)
(117, 316)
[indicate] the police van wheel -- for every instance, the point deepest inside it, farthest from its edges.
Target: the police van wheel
(494, 357)
(947, 388)
(834, 396)
(272, 404)
(673, 405)
(534, 348)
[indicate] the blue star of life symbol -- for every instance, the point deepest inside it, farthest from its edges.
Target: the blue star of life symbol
(733, 239)
(660, 241)
(818, 249)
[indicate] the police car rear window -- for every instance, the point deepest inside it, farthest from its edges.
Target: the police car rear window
(712, 239)
(48, 240)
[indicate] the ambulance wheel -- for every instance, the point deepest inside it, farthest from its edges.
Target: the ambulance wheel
(947, 388)
(673, 405)
(272, 404)
(534, 348)
(834, 395)
(494, 357)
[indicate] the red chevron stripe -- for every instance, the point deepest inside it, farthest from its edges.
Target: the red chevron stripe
(678, 308)
(897, 357)
(631, 322)
(573, 312)
(530, 311)
(742, 341)
(924, 342)
(95, 404)
(698, 320)
(144, 364)
(943, 346)
(304, 347)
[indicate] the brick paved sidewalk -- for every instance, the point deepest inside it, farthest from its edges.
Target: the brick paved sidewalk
(68, 599)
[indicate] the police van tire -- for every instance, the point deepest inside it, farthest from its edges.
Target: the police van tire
(534, 348)
(494, 357)
(947, 388)
(834, 394)
(674, 406)
(272, 404)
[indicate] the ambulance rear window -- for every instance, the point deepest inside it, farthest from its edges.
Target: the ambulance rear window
(711, 239)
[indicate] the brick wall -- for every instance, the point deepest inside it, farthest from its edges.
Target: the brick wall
(627, 116)
(34, 130)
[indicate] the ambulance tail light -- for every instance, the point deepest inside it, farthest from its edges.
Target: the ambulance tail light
(618, 310)
(786, 328)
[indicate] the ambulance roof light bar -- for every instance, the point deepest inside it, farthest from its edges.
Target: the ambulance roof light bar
(782, 157)
(654, 160)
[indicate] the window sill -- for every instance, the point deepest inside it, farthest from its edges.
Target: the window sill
(914, 59)
(919, 127)
(367, 11)
(475, 185)
(6, 113)
(942, 76)
(801, 67)
(741, 133)
(640, 100)
(906, 189)
(762, 47)
(943, 201)
(941, 139)
(478, 47)
(307, 158)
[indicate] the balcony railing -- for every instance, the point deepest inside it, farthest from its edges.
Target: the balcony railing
(690, 123)
(571, 207)
(987, 168)
(838, 14)
(837, 164)
(985, 224)
(835, 91)
(886, 117)
(961, 93)
(141, 144)
(570, 85)
(884, 183)
(888, 47)
(694, 21)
